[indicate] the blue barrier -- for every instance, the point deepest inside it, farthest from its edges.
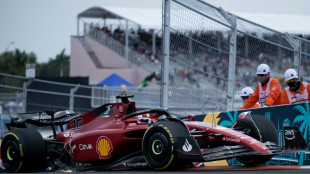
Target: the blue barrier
(295, 114)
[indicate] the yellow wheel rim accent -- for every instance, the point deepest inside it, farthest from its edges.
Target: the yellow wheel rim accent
(157, 147)
(8, 153)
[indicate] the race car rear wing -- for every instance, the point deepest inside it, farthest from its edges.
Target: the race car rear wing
(294, 140)
(42, 119)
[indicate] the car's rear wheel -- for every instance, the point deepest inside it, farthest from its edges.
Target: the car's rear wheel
(23, 150)
(263, 130)
(160, 144)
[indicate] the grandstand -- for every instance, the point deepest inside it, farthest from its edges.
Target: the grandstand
(127, 41)
(102, 48)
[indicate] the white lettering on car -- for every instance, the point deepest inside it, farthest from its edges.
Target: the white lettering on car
(72, 134)
(85, 146)
(234, 140)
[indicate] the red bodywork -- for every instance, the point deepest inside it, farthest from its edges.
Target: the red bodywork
(105, 133)
(228, 135)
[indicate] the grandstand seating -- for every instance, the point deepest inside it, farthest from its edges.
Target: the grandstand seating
(208, 67)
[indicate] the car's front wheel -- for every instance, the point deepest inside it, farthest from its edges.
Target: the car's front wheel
(160, 143)
(23, 150)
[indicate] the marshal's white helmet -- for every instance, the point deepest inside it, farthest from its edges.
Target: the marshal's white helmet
(290, 74)
(246, 91)
(263, 69)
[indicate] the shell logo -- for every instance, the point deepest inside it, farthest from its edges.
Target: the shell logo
(104, 147)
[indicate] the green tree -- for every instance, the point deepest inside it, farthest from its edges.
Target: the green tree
(14, 62)
(57, 67)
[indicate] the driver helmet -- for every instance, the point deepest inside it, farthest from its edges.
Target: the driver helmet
(263, 69)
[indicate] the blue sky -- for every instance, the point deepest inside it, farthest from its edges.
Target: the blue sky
(45, 26)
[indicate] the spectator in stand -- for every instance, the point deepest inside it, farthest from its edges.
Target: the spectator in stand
(245, 93)
(297, 91)
(267, 90)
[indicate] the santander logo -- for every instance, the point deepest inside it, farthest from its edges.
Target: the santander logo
(187, 147)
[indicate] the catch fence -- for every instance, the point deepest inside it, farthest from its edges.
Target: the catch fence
(209, 55)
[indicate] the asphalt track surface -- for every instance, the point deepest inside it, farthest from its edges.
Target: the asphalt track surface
(221, 169)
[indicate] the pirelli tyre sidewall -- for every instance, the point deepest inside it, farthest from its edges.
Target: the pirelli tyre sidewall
(263, 130)
(23, 150)
(160, 142)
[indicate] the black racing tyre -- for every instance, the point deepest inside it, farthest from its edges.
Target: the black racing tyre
(23, 150)
(265, 131)
(160, 144)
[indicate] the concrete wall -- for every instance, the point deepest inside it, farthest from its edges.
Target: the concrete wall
(82, 65)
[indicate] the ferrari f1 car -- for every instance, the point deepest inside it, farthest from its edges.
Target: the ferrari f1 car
(116, 136)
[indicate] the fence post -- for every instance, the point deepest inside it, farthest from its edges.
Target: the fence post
(246, 50)
(296, 44)
(153, 42)
(232, 20)
(26, 84)
(166, 52)
(72, 91)
(24, 97)
(126, 43)
(84, 30)
(297, 56)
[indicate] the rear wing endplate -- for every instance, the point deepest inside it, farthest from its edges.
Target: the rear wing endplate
(294, 140)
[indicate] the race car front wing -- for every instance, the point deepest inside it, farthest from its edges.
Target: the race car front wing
(228, 152)
(190, 150)
(219, 153)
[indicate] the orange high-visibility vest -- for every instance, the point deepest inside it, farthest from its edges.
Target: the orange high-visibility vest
(264, 94)
(297, 97)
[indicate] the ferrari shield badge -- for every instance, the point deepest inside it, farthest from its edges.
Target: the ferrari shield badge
(104, 147)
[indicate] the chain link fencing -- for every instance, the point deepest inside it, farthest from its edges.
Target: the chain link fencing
(213, 54)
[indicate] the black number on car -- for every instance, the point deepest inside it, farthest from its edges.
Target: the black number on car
(77, 124)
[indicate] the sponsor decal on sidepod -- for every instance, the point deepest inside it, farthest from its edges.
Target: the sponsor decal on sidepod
(104, 147)
(187, 146)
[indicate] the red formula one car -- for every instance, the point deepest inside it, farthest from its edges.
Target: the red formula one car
(116, 136)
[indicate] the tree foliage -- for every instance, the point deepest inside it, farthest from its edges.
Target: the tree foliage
(58, 67)
(14, 62)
